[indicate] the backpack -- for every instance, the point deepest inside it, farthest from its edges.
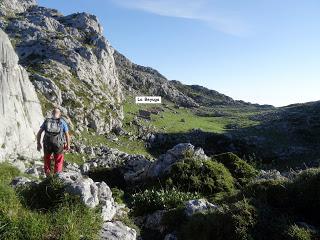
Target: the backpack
(53, 136)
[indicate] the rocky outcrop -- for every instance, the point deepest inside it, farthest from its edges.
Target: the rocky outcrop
(20, 108)
(71, 64)
(92, 193)
(140, 170)
(145, 80)
(15, 6)
(117, 230)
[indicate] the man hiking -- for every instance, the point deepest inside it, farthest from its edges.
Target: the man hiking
(55, 140)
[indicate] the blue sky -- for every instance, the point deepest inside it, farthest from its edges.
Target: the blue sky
(261, 51)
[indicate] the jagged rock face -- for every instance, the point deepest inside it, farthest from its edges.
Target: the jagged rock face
(20, 108)
(71, 65)
(15, 6)
(145, 80)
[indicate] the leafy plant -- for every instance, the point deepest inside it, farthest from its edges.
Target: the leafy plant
(152, 200)
(203, 176)
(240, 169)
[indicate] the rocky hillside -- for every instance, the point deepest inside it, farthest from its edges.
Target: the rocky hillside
(20, 108)
(291, 135)
(144, 80)
(210, 98)
(70, 63)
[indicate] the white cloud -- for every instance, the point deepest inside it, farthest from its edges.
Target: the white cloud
(200, 10)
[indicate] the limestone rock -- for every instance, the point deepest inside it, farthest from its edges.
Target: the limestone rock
(92, 194)
(117, 230)
(20, 110)
(21, 181)
(177, 153)
(15, 6)
(198, 206)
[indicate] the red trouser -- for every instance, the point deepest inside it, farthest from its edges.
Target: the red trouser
(58, 162)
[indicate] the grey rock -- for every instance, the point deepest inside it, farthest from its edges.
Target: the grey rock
(198, 206)
(19, 164)
(269, 175)
(91, 193)
(177, 153)
(48, 88)
(15, 6)
(170, 236)
(21, 181)
(20, 108)
(153, 221)
(33, 171)
(117, 230)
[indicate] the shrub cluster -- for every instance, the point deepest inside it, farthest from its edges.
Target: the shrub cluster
(151, 200)
(240, 169)
(272, 209)
(204, 176)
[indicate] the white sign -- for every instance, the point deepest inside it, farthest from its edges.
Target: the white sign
(148, 99)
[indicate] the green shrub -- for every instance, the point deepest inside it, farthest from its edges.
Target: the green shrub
(118, 195)
(174, 218)
(46, 195)
(233, 223)
(152, 200)
(240, 169)
(305, 195)
(274, 193)
(297, 233)
(203, 176)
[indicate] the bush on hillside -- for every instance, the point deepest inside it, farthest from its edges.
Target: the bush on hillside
(232, 223)
(204, 176)
(46, 195)
(151, 200)
(298, 233)
(305, 195)
(240, 169)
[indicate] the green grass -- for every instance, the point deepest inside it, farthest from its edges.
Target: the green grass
(74, 158)
(173, 120)
(70, 220)
(123, 144)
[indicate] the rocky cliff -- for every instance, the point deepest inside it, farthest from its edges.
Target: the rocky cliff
(20, 110)
(70, 62)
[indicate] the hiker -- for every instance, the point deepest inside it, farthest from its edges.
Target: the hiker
(55, 140)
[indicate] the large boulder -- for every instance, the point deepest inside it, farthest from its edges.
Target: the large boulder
(177, 153)
(20, 110)
(91, 193)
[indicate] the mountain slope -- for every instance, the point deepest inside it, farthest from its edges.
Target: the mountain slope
(145, 80)
(70, 62)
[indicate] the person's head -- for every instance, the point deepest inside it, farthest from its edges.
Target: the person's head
(56, 113)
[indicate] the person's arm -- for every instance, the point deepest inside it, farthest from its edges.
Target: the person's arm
(68, 140)
(39, 146)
